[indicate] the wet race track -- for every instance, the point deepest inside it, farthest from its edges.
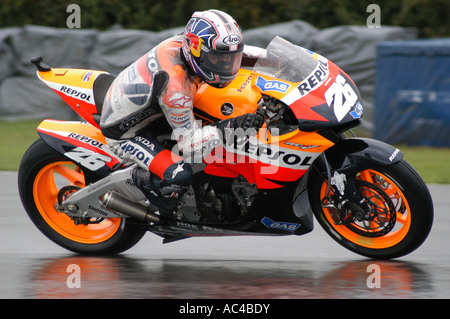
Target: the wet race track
(310, 266)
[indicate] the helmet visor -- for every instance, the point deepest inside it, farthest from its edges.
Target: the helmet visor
(221, 63)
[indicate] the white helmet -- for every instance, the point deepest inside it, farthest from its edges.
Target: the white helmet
(212, 46)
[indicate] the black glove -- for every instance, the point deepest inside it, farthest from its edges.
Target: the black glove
(246, 121)
(250, 120)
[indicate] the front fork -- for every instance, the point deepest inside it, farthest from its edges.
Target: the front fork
(343, 197)
(340, 166)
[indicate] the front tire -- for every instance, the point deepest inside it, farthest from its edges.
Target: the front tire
(402, 213)
(42, 173)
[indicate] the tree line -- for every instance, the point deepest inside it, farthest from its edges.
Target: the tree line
(430, 17)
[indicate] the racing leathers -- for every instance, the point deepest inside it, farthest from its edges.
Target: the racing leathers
(156, 88)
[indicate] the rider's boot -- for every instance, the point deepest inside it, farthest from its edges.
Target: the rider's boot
(160, 193)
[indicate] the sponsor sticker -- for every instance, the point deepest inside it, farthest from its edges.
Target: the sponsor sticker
(272, 85)
(87, 76)
(232, 39)
(78, 93)
(357, 113)
(279, 225)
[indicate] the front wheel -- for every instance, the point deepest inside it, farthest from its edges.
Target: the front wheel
(43, 172)
(398, 216)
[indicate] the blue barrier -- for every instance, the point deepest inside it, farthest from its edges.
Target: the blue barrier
(412, 92)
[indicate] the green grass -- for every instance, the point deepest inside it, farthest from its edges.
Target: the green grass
(433, 164)
(15, 137)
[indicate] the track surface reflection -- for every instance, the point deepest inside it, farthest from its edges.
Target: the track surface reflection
(310, 266)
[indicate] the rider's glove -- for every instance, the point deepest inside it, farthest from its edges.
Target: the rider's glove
(246, 121)
(250, 120)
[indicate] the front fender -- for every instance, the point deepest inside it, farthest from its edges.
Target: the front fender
(356, 154)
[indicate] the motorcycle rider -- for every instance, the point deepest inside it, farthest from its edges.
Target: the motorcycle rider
(159, 88)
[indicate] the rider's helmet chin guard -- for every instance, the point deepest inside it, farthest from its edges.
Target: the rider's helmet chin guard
(213, 46)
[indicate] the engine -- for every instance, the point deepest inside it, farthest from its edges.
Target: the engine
(217, 199)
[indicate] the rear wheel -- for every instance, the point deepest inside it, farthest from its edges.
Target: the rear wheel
(45, 177)
(398, 215)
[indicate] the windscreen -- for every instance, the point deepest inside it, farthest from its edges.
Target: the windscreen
(286, 61)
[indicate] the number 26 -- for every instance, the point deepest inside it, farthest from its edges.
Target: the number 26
(341, 97)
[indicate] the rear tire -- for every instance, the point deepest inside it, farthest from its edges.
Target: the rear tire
(42, 173)
(410, 206)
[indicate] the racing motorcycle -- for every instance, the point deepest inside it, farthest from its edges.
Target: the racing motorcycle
(304, 162)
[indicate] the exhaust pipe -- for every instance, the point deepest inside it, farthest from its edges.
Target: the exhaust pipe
(115, 201)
